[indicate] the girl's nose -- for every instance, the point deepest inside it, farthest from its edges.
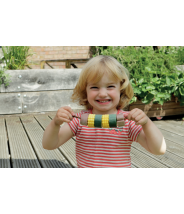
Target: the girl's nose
(102, 92)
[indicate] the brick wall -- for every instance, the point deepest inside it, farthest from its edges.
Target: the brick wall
(58, 52)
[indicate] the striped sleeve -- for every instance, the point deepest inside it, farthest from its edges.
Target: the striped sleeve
(74, 125)
(134, 130)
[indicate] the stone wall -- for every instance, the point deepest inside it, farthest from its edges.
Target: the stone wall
(58, 52)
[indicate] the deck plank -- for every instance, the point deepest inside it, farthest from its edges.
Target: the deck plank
(22, 154)
(43, 120)
(177, 139)
(144, 161)
(169, 127)
(4, 153)
(47, 158)
(175, 148)
(67, 149)
(169, 159)
(176, 122)
(33, 128)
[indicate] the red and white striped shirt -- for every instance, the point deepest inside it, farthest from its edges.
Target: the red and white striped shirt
(104, 147)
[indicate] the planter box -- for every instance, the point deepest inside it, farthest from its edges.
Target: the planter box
(169, 108)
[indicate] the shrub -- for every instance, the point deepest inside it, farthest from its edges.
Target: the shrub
(153, 74)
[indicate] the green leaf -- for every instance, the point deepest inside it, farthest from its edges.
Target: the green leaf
(156, 100)
(145, 101)
(161, 95)
(181, 90)
(161, 102)
(147, 68)
(154, 79)
(137, 91)
(168, 81)
(153, 92)
(150, 96)
(134, 99)
(140, 80)
(150, 87)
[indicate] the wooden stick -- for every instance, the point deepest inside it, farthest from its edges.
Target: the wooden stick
(76, 116)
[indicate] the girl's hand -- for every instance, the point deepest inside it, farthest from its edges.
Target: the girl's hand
(64, 114)
(138, 116)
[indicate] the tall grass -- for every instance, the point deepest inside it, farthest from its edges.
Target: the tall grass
(16, 57)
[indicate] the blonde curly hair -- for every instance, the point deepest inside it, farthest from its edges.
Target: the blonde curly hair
(93, 71)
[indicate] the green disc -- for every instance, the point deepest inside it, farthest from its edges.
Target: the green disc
(98, 120)
(112, 120)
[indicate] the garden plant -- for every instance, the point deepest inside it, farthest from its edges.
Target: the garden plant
(153, 73)
(14, 58)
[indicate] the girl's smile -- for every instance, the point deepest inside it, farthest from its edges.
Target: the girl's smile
(104, 95)
(103, 102)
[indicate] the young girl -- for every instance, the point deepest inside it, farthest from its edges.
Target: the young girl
(104, 88)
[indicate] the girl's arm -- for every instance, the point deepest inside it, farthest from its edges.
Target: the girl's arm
(150, 137)
(54, 135)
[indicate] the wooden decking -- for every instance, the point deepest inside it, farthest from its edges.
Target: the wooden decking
(21, 145)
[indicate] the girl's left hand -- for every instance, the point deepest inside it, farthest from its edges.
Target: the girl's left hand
(138, 116)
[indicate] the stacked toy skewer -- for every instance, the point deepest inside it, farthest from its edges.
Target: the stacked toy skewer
(102, 121)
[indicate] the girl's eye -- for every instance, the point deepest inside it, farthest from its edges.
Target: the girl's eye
(111, 86)
(93, 87)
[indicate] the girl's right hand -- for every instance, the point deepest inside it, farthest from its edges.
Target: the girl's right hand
(64, 114)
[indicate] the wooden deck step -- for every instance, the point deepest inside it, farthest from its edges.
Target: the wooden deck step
(169, 159)
(22, 153)
(144, 161)
(4, 153)
(47, 158)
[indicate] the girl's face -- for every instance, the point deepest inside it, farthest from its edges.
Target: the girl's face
(104, 96)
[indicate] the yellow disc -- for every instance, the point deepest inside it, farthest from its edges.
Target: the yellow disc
(105, 121)
(91, 120)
